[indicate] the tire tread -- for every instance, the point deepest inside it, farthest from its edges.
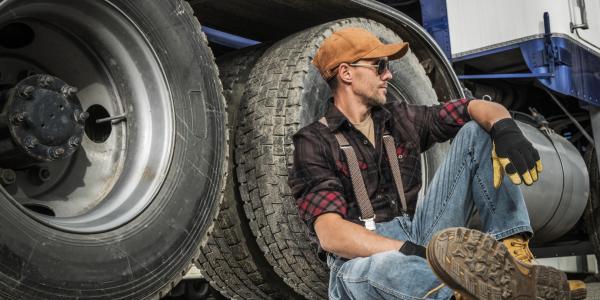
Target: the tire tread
(269, 117)
(231, 260)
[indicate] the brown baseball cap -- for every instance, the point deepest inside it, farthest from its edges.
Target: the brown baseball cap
(351, 44)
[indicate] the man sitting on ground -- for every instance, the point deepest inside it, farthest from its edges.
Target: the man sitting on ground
(357, 151)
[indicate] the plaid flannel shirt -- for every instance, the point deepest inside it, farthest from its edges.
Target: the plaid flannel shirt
(320, 179)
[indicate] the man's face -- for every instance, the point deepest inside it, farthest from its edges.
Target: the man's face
(372, 87)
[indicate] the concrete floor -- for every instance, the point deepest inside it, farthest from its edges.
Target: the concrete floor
(562, 263)
(593, 291)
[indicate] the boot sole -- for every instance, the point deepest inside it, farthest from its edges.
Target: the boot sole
(578, 294)
(475, 264)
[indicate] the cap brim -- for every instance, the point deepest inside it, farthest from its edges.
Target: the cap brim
(391, 51)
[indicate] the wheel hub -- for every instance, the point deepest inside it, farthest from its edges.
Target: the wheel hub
(45, 118)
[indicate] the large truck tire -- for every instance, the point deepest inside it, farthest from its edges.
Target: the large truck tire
(124, 216)
(231, 259)
(285, 93)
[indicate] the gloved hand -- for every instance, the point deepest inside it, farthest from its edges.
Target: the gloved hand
(409, 248)
(513, 154)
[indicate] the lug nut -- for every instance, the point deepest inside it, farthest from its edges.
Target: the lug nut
(56, 152)
(26, 92)
(74, 141)
(7, 176)
(81, 116)
(18, 118)
(29, 142)
(45, 80)
(68, 90)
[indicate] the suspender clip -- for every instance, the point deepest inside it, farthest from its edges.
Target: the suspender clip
(369, 223)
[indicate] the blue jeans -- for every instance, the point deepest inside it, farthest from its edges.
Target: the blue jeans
(462, 182)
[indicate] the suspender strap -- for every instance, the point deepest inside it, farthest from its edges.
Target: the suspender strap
(358, 184)
(390, 149)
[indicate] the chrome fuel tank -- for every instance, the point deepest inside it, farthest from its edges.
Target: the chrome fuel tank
(557, 201)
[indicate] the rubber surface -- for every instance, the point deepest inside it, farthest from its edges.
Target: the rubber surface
(476, 265)
(146, 257)
(231, 260)
(285, 93)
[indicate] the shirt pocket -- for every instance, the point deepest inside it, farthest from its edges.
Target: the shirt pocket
(405, 151)
(407, 156)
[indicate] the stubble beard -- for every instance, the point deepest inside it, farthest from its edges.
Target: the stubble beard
(376, 99)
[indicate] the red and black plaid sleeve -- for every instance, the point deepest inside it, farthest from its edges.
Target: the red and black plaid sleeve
(455, 112)
(317, 203)
(312, 178)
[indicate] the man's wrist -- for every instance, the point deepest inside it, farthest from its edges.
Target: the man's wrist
(503, 124)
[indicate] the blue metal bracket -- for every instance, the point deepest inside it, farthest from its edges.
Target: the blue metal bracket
(550, 48)
(435, 20)
(227, 39)
(551, 53)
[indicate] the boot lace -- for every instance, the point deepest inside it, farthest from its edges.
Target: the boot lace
(520, 250)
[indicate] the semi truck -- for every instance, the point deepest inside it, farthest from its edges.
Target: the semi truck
(138, 137)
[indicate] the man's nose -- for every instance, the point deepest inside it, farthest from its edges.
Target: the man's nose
(387, 75)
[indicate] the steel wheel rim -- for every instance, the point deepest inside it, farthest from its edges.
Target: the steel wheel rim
(105, 184)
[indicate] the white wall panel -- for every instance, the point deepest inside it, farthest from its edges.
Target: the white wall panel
(476, 24)
(591, 35)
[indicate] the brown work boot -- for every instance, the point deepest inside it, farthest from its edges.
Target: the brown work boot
(459, 296)
(578, 289)
(477, 266)
(518, 247)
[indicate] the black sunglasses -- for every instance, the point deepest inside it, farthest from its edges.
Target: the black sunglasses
(382, 65)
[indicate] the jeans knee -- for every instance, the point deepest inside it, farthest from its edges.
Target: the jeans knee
(472, 128)
(473, 131)
(386, 266)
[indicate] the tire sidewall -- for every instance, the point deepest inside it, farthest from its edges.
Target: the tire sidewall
(138, 259)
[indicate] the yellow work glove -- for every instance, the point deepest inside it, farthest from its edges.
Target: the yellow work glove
(513, 154)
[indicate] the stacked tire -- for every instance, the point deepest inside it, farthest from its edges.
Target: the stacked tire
(231, 260)
(283, 92)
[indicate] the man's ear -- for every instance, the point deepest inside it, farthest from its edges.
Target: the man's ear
(344, 73)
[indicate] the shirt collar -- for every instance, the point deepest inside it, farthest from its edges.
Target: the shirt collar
(336, 119)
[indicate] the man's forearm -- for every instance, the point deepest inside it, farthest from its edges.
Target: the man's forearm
(350, 240)
(486, 113)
